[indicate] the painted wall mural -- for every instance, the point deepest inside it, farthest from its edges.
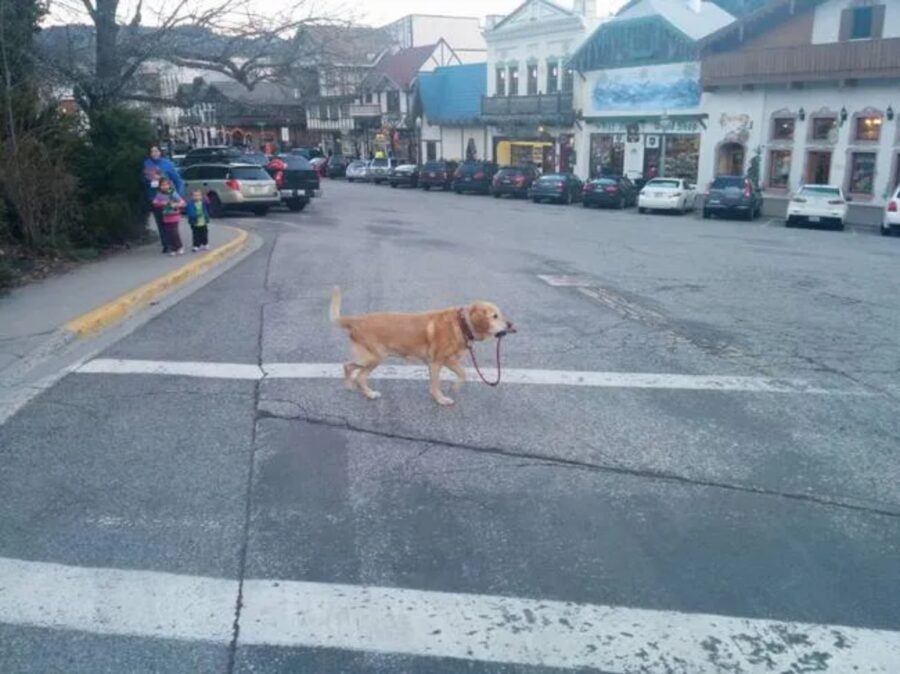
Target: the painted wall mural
(670, 87)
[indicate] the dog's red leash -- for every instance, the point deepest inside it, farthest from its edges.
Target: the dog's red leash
(475, 363)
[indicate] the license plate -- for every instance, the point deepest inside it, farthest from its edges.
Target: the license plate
(814, 218)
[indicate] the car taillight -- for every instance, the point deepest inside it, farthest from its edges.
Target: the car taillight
(560, 186)
(279, 179)
(588, 187)
(518, 180)
(836, 202)
(892, 207)
(611, 188)
(747, 191)
(233, 185)
(479, 174)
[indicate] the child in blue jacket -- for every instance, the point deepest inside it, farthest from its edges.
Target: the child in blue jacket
(197, 212)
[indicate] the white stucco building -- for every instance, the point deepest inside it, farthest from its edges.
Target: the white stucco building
(807, 91)
(529, 99)
(462, 32)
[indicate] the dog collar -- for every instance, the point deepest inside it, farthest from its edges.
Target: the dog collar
(464, 326)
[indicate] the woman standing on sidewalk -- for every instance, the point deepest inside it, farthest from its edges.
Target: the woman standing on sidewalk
(157, 167)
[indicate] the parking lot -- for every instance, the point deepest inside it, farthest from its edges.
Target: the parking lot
(691, 465)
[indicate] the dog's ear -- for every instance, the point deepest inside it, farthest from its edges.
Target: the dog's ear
(481, 323)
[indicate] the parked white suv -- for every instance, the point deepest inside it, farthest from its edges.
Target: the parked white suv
(817, 205)
(891, 222)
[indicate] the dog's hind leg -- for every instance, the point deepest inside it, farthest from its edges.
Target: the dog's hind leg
(364, 361)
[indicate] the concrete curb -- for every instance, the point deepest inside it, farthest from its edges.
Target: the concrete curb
(107, 314)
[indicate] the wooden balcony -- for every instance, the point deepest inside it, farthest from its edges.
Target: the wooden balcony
(546, 108)
(804, 63)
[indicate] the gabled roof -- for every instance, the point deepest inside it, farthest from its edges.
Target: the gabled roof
(758, 20)
(695, 25)
(452, 95)
(557, 9)
(400, 68)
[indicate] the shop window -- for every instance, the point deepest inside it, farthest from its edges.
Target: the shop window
(552, 78)
(532, 79)
(682, 156)
(514, 80)
(501, 81)
(607, 155)
(868, 128)
(783, 128)
(824, 129)
(779, 168)
(862, 173)
(568, 80)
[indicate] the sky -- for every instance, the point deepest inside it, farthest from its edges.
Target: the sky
(378, 12)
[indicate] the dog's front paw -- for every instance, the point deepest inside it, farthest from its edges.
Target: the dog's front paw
(444, 400)
(373, 395)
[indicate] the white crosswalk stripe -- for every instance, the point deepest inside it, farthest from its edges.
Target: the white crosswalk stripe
(478, 627)
(534, 377)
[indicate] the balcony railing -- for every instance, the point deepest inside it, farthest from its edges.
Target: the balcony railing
(540, 107)
(365, 110)
(832, 61)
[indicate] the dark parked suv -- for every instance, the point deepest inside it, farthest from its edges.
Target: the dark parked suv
(514, 180)
(437, 174)
(474, 176)
(732, 195)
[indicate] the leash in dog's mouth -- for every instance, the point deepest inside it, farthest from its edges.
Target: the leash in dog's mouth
(500, 336)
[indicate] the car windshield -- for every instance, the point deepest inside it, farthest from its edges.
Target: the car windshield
(606, 181)
(661, 183)
(820, 191)
(379, 162)
(357, 165)
(260, 159)
(511, 172)
(724, 182)
(248, 173)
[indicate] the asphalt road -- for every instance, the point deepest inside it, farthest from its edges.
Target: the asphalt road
(780, 505)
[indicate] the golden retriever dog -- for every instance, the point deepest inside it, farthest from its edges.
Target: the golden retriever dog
(437, 338)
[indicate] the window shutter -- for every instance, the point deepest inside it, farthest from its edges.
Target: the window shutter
(877, 21)
(846, 25)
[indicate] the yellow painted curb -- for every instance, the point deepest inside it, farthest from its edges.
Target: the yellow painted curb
(105, 315)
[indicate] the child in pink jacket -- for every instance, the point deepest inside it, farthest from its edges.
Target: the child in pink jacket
(171, 205)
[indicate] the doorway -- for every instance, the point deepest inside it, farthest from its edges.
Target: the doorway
(818, 168)
(731, 160)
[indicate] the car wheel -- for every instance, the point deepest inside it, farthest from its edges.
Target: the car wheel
(585, 204)
(349, 180)
(394, 185)
(535, 200)
(216, 209)
(641, 209)
(885, 231)
(496, 195)
(789, 222)
(260, 210)
(839, 226)
(296, 205)
(458, 191)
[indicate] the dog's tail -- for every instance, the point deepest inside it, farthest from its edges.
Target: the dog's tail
(335, 312)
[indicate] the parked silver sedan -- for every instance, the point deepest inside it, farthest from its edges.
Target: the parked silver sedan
(358, 171)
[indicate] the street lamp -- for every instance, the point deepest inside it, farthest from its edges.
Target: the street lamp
(664, 125)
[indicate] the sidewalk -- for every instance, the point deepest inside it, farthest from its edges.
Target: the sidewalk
(37, 318)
